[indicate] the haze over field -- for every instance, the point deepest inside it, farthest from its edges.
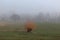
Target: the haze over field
(31, 8)
(42, 17)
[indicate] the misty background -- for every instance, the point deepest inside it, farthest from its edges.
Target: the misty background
(36, 10)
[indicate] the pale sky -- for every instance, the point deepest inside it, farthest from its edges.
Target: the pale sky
(29, 6)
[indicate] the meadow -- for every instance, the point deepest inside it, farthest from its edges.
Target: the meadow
(44, 31)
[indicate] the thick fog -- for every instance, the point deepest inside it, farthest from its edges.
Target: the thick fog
(33, 9)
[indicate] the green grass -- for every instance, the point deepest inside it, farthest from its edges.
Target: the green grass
(44, 31)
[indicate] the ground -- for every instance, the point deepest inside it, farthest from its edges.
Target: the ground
(44, 31)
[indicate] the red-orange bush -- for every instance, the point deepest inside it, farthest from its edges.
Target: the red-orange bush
(29, 26)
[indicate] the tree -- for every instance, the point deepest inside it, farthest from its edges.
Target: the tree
(15, 17)
(40, 17)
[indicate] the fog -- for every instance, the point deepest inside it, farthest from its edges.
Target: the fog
(33, 9)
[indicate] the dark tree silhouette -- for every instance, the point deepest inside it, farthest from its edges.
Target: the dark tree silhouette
(15, 17)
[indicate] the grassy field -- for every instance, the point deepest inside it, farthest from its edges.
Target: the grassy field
(44, 31)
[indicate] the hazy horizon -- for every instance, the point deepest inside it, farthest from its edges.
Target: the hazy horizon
(29, 6)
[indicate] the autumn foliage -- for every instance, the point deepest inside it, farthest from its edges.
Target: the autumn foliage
(29, 26)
